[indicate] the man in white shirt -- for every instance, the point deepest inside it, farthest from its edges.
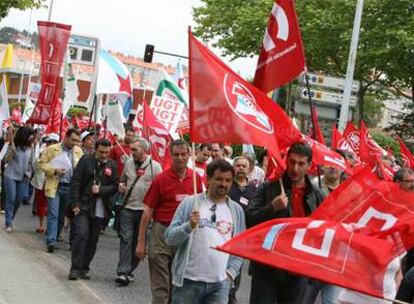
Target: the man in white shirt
(202, 274)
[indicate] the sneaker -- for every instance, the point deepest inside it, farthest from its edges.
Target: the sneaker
(73, 276)
(9, 229)
(131, 278)
(60, 238)
(2, 212)
(85, 275)
(50, 248)
(122, 280)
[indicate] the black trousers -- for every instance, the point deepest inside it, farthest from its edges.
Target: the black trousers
(85, 233)
(276, 286)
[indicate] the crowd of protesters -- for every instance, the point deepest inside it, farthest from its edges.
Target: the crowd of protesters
(169, 215)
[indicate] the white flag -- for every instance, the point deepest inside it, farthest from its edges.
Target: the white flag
(31, 99)
(114, 116)
(71, 87)
(4, 102)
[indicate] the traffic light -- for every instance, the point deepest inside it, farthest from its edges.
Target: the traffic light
(149, 52)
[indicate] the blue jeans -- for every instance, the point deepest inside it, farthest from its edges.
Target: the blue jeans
(15, 191)
(329, 293)
(200, 292)
(56, 213)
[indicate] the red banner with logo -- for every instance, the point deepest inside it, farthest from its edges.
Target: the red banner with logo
(225, 108)
(53, 40)
(324, 250)
(351, 135)
(281, 56)
(366, 200)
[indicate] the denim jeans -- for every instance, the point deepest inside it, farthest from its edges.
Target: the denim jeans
(56, 213)
(128, 231)
(201, 292)
(15, 192)
(329, 293)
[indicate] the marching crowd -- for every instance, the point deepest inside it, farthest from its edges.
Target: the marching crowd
(174, 216)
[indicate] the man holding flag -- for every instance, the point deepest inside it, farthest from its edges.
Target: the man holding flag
(292, 196)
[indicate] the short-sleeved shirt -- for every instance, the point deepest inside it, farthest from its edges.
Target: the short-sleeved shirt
(166, 193)
(118, 155)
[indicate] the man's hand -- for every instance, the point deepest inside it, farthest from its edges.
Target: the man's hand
(95, 189)
(122, 188)
(194, 219)
(280, 202)
(76, 211)
(140, 250)
(60, 171)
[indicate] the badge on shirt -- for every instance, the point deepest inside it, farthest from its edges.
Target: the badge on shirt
(108, 171)
(140, 172)
(244, 201)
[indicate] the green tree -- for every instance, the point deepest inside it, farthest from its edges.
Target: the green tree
(385, 51)
(6, 5)
(7, 33)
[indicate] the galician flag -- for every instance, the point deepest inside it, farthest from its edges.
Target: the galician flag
(179, 77)
(114, 115)
(4, 102)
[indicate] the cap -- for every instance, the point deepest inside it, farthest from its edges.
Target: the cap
(85, 134)
(52, 136)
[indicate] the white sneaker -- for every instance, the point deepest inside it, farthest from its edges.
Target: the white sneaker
(9, 229)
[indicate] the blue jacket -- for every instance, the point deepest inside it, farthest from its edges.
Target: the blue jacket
(179, 234)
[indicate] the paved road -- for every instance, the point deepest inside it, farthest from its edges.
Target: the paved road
(101, 288)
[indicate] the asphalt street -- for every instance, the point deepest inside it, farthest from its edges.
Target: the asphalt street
(101, 288)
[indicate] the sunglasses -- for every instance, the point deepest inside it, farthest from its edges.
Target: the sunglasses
(213, 210)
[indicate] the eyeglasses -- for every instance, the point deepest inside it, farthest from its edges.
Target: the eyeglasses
(213, 210)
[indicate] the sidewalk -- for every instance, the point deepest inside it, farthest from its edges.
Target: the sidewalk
(25, 276)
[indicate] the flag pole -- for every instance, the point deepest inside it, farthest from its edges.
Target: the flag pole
(343, 117)
(196, 204)
(313, 119)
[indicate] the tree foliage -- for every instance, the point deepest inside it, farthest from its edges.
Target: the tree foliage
(386, 43)
(6, 5)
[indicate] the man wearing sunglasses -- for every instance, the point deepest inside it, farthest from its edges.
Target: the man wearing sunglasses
(201, 274)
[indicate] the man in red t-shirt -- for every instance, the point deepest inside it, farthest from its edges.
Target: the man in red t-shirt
(121, 152)
(203, 153)
(162, 199)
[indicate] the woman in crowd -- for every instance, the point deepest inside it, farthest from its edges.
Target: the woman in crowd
(18, 172)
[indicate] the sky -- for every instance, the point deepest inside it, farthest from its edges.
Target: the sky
(127, 26)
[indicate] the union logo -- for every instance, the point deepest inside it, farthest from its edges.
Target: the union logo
(243, 104)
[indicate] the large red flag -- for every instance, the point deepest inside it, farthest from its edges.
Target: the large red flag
(406, 155)
(227, 109)
(366, 200)
(281, 56)
(53, 40)
(323, 250)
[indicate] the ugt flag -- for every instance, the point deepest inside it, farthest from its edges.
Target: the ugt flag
(281, 56)
(227, 109)
(113, 76)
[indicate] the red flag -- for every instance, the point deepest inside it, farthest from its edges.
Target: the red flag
(53, 40)
(318, 135)
(16, 115)
(281, 56)
(156, 133)
(227, 109)
(406, 155)
(366, 200)
(351, 135)
(368, 148)
(53, 125)
(275, 170)
(323, 156)
(323, 250)
(383, 171)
